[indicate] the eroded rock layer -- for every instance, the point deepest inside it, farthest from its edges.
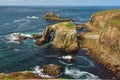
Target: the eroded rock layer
(104, 38)
(64, 38)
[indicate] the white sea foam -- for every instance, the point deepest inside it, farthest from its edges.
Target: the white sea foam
(39, 71)
(14, 37)
(32, 17)
(27, 35)
(67, 57)
(77, 74)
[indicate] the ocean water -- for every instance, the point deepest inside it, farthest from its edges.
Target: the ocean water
(28, 20)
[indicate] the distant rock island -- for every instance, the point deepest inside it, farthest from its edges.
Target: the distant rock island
(55, 17)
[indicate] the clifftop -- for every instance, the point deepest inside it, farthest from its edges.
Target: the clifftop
(104, 38)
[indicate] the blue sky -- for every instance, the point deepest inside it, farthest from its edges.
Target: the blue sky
(62, 2)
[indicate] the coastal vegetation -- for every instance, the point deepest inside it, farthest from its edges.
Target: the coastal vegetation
(70, 25)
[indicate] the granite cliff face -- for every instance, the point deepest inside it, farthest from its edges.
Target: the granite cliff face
(104, 38)
(64, 36)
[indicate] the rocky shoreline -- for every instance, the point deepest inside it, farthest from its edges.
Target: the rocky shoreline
(102, 40)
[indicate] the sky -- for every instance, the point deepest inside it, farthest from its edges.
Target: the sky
(61, 2)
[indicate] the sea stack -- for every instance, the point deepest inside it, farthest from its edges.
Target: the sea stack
(55, 17)
(64, 38)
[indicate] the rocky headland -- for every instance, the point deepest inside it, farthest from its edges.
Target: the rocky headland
(55, 17)
(103, 39)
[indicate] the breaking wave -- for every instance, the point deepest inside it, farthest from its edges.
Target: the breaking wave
(14, 37)
(77, 74)
(39, 71)
(32, 17)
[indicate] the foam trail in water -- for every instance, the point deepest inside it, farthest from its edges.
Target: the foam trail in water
(77, 74)
(32, 17)
(90, 63)
(15, 21)
(16, 50)
(68, 64)
(19, 20)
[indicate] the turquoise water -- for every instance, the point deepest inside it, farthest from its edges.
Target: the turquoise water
(20, 57)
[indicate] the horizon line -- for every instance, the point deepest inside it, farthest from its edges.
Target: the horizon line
(62, 5)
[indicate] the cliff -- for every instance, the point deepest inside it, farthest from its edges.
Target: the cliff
(103, 40)
(61, 35)
(55, 17)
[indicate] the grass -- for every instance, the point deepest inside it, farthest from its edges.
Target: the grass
(69, 25)
(107, 12)
(115, 21)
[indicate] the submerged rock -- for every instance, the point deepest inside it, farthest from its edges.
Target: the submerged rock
(55, 17)
(16, 38)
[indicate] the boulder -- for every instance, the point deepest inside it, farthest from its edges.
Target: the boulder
(52, 69)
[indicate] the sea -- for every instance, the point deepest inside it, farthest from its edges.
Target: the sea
(28, 20)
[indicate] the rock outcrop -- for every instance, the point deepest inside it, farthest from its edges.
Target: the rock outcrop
(19, 76)
(64, 36)
(52, 70)
(104, 39)
(55, 17)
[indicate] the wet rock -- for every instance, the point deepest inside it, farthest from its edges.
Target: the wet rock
(21, 38)
(36, 36)
(52, 69)
(55, 17)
